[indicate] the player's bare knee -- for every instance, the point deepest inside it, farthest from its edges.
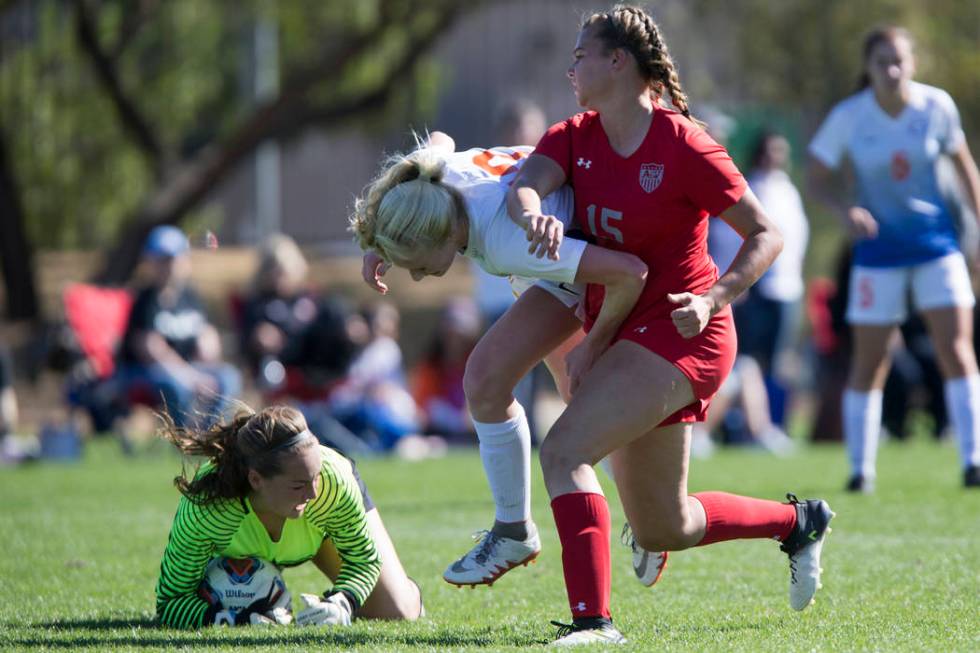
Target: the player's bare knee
(961, 358)
(662, 538)
(558, 459)
(666, 533)
(485, 388)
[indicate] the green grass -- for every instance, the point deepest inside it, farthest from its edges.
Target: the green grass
(902, 567)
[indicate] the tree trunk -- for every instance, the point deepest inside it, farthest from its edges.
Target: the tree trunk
(16, 257)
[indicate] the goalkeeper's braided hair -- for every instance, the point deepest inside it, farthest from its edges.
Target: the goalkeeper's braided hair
(248, 441)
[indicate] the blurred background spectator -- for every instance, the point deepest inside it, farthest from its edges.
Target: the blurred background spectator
(742, 411)
(169, 344)
(374, 401)
(768, 318)
(277, 312)
(437, 380)
(8, 408)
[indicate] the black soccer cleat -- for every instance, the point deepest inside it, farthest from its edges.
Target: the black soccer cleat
(804, 546)
(971, 476)
(860, 484)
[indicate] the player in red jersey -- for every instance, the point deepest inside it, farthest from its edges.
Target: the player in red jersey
(645, 180)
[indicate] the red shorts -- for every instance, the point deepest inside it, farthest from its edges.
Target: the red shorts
(705, 359)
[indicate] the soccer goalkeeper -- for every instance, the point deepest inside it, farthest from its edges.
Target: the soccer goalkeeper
(271, 491)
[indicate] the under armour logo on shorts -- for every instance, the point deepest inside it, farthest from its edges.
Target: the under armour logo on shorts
(583, 163)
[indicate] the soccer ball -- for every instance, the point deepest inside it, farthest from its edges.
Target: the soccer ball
(234, 584)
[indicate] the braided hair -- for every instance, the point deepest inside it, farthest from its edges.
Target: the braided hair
(634, 30)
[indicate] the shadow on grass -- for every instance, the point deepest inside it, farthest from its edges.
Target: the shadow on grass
(59, 636)
(93, 624)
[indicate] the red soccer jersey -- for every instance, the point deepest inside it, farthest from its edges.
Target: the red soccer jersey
(654, 204)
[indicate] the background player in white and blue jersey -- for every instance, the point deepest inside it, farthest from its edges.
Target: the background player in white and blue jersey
(893, 132)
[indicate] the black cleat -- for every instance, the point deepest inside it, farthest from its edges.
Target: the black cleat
(803, 546)
(971, 476)
(860, 484)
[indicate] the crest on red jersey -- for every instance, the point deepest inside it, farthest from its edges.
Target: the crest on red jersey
(651, 174)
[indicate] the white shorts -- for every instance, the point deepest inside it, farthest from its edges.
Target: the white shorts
(569, 294)
(880, 295)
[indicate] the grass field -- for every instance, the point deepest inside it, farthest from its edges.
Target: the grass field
(82, 547)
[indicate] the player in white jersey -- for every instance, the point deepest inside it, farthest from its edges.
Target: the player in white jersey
(421, 211)
(893, 132)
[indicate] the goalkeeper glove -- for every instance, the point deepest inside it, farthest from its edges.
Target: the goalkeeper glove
(332, 609)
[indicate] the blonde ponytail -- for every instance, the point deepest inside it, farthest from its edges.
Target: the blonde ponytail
(407, 206)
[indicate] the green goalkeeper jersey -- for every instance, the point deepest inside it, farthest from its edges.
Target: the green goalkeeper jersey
(229, 527)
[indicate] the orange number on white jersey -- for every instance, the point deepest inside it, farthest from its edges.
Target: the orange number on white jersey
(489, 160)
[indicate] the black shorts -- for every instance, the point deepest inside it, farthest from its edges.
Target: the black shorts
(368, 501)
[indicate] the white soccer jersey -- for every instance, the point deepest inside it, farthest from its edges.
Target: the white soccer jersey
(783, 281)
(496, 243)
(894, 160)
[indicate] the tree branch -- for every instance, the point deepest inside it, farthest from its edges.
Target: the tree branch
(325, 114)
(132, 21)
(282, 118)
(133, 122)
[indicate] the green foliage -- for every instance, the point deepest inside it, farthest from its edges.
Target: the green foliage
(83, 545)
(78, 175)
(794, 59)
(804, 56)
(184, 68)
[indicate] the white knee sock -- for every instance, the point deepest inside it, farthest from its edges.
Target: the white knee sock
(963, 404)
(505, 449)
(862, 426)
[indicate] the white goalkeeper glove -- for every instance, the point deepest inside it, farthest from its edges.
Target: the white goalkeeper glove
(332, 610)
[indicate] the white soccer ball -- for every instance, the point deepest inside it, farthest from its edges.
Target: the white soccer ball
(236, 583)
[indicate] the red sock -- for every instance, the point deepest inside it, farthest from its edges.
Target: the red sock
(732, 517)
(582, 520)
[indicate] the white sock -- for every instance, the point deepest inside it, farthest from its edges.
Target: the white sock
(862, 426)
(505, 449)
(963, 404)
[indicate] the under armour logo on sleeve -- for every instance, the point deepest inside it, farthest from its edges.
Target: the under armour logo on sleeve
(583, 163)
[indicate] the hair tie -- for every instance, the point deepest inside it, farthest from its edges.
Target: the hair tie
(425, 176)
